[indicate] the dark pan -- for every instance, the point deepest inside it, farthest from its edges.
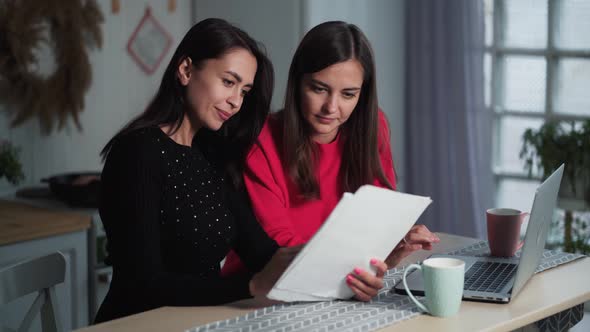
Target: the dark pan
(77, 189)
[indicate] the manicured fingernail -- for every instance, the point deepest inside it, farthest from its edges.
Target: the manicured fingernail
(358, 270)
(373, 261)
(349, 278)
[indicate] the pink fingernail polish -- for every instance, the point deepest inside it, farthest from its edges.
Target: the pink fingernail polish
(373, 261)
(357, 270)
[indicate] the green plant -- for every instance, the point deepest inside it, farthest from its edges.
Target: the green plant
(10, 166)
(581, 237)
(579, 231)
(546, 149)
(553, 144)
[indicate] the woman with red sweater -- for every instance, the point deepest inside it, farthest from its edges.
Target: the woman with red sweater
(329, 139)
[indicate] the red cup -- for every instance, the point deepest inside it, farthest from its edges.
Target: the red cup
(504, 231)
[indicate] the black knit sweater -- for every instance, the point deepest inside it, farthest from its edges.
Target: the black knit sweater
(170, 217)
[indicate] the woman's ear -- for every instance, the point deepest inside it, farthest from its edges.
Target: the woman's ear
(184, 71)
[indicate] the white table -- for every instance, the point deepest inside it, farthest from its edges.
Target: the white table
(545, 294)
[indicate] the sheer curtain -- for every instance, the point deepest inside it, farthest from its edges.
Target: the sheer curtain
(448, 129)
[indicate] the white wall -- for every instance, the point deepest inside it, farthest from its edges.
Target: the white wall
(119, 91)
(281, 24)
(276, 24)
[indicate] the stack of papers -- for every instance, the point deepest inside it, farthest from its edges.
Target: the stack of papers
(364, 225)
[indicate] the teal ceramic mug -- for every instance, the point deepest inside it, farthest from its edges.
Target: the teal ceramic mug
(443, 285)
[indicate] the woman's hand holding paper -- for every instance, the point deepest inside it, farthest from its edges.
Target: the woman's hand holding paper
(364, 284)
(263, 281)
(419, 237)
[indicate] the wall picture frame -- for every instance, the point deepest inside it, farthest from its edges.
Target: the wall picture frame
(149, 43)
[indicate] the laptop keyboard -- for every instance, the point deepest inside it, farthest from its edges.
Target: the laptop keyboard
(488, 276)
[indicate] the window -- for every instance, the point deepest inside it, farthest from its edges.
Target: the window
(537, 68)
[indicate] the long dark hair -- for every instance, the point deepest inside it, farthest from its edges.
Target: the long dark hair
(324, 45)
(210, 39)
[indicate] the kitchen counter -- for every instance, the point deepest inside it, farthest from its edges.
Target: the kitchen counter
(49, 219)
(35, 227)
(22, 222)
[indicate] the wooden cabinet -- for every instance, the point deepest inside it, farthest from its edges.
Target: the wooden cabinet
(26, 232)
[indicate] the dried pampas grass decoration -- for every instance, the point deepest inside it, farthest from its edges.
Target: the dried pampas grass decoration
(71, 26)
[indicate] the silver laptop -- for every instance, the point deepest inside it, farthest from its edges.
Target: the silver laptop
(492, 279)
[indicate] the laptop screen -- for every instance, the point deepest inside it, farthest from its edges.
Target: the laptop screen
(536, 234)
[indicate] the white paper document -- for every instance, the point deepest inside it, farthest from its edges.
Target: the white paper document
(364, 225)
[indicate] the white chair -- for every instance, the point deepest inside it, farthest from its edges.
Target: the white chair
(35, 275)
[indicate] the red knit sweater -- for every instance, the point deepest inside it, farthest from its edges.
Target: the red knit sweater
(287, 217)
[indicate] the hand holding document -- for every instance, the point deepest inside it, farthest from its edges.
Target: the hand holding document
(364, 225)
